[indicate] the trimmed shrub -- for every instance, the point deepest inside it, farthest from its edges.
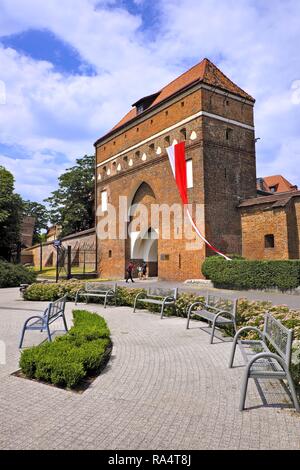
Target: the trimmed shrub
(126, 296)
(12, 275)
(69, 358)
(183, 302)
(251, 313)
(245, 274)
(51, 292)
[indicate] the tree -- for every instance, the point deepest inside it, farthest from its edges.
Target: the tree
(11, 207)
(72, 204)
(41, 215)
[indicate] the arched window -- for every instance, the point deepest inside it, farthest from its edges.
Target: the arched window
(167, 140)
(151, 148)
(183, 133)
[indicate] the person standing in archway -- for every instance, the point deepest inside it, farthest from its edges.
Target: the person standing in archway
(145, 270)
(129, 272)
(140, 272)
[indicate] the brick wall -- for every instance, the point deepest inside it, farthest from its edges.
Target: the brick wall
(87, 237)
(223, 172)
(163, 119)
(293, 227)
(157, 174)
(281, 222)
(256, 223)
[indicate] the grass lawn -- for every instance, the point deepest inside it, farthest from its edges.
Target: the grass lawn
(50, 273)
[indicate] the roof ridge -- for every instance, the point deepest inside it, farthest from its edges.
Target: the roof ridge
(184, 73)
(205, 72)
(209, 62)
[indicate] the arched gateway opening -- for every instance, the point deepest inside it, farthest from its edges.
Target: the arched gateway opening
(142, 241)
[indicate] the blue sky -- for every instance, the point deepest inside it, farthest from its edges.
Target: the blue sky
(44, 45)
(70, 69)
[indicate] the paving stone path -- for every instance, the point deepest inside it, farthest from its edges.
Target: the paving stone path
(164, 388)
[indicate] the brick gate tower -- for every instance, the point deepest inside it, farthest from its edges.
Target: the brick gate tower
(215, 118)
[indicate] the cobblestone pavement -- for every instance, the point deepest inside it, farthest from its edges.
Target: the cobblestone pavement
(164, 388)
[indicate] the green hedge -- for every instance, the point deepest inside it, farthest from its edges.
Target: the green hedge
(68, 359)
(244, 274)
(12, 275)
(50, 292)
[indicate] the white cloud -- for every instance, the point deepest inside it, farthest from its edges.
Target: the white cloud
(254, 42)
(257, 46)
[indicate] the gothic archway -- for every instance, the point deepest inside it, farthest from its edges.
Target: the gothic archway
(142, 241)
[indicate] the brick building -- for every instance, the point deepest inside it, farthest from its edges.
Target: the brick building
(215, 118)
(274, 184)
(271, 226)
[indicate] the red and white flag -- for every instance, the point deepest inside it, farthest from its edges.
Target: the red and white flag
(176, 154)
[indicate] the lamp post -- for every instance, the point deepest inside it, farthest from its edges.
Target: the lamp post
(57, 245)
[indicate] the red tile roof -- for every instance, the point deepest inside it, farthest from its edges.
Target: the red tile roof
(279, 183)
(205, 72)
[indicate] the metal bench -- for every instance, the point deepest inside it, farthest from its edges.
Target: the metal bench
(261, 361)
(157, 296)
(54, 311)
(218, 311)
(97, 289)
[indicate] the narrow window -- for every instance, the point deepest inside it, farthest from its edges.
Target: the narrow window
(182, 104)
(179, 261)
(151, 148)
(183, 133)
(110, 254)
(228, 133)
(137, 129)
(269, 241)
(189, 173)
(167, 113)
(104, 201)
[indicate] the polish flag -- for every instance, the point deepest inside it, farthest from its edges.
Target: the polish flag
(176, 154)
